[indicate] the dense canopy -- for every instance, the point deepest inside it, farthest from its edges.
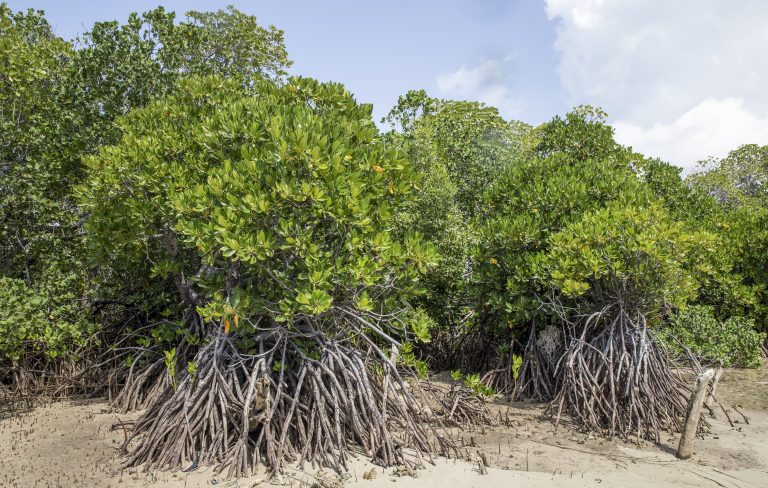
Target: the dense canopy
(251, 259)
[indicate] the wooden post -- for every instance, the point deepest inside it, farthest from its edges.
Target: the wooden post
(685, 449)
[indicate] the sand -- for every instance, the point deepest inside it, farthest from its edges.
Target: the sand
(72, 444)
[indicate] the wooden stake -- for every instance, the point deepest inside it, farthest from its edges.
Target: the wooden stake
(685, 449)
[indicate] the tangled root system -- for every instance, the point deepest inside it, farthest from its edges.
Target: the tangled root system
(615, 377)
(302, 397)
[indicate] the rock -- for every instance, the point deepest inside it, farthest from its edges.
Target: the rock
(370, 475)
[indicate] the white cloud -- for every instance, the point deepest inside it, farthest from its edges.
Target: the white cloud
(585, 14)
(712, 128)
(694, 68)
(488, 83)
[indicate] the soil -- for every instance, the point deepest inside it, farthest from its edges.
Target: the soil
(73, 444)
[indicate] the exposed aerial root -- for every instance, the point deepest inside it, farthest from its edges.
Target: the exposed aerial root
(35, 379)
(501, 379)
(468, 348)
(537, 378)
(458, 406)
(141, 385)
(300, 397)
(615, 378)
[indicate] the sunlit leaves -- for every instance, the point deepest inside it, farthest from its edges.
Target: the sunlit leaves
(636, 255)
(539, 196)
(295, 210)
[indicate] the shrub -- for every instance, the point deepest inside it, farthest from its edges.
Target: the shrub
(733, 342)
(58, 102)
(271, 209)
(529, 203)
(614, 273)
(457, 148)
(40, 322)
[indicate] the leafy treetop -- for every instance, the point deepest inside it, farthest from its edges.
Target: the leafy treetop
(274, 203)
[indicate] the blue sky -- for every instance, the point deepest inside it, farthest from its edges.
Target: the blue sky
(681, 79)
(380, 50)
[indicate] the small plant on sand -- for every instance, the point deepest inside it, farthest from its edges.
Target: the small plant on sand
(472, 382)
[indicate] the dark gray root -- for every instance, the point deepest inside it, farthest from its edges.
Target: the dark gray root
(141, 383)
(501, 379)
(537, 378)
(35, 379)
(615, 378)
(456, 405)
(302, 398)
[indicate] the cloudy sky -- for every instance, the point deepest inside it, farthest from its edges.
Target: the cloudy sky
(680, 79)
